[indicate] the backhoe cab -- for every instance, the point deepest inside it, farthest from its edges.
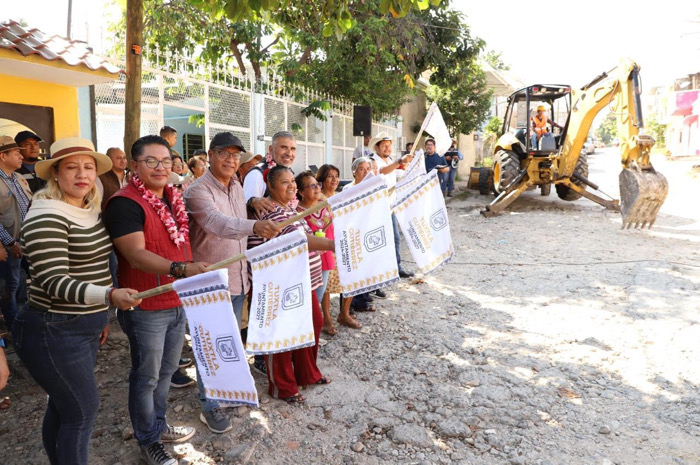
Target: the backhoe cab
(522, 161)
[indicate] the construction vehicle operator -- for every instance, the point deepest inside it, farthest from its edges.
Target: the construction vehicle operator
(539, 126)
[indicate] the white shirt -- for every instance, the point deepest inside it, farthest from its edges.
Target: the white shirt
(254, 185)
(361, 152)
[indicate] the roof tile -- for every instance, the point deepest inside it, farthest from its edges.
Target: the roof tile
(35, 42)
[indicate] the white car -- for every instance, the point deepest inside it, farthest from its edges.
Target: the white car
(589, 146)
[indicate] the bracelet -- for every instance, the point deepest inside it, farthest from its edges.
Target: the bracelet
(111, 291)
(108, 296)
(178, 270)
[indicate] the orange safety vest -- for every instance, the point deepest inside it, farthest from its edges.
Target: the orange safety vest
(540, 124)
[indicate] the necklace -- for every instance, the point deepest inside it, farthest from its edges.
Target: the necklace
(180, 232)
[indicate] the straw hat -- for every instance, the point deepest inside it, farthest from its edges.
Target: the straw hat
(72, 146)
(7, 143)
(247, 156)
(378, 138)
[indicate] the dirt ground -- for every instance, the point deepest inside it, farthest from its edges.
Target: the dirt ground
(553, 337)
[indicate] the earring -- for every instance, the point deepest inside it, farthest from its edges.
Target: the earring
(55, 179)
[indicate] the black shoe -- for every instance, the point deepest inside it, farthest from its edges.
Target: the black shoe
(180, 380)
(406, 274)
(369, 298)
(379, 293)
(260, 365)
(184, 362)
(449, 194)
(155, 454)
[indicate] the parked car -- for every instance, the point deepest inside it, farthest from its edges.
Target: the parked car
(589, 146)
(616, 142)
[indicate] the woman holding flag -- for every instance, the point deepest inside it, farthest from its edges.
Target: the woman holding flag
(288, 370)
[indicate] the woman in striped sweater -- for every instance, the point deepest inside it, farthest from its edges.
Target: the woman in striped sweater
(58, 332)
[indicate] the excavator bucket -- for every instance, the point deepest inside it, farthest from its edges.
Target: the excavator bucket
(642, 192)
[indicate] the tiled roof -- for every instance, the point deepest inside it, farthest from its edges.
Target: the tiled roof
(34, 42)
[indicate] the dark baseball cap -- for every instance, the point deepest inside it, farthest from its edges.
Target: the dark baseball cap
(24, 135)
(225, 139)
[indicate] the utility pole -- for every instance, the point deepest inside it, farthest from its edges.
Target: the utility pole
(70, 18)
(132, 97)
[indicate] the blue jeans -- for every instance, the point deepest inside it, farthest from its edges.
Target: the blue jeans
(320, 291)
(60, 352)
(10, 271)
(237, 304)
(155, 341)
(443, 183)
(451, 179)
(397, 240)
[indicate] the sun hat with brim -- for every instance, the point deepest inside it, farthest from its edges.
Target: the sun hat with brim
(378, 138)
(247, 156)
(7, 143)
(68, 147)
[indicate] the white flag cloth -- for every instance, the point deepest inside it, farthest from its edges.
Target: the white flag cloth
(434, 125)
(413, 171)
(280, 316)
(422, 215)
(364, 237)
(216, 339)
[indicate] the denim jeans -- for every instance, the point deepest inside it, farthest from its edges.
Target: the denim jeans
(451, 179)
(237, 304)
(397, 240)
(60, 351)
(10, 271)
(320, 291)
(442, 177)
(155, 341)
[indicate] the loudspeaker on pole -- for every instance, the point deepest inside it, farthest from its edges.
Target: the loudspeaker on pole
(361, 120)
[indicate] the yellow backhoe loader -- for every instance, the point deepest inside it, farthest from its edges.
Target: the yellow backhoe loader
(528, 156)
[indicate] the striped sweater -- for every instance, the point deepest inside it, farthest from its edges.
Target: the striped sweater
(68, 250)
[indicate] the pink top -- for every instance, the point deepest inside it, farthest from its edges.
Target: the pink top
(317, 222)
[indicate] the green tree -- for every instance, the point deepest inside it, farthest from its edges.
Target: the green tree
(494, 126)
(607, 130)
(494, 59)
(656, 130)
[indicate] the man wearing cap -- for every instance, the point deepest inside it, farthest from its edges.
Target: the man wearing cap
(15, 196)
(29, 147)
(388, 166)
(219, 229)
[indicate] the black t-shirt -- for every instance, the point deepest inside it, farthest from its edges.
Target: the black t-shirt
(124, 216)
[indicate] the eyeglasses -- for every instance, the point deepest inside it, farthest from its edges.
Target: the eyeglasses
(152, 163)
(312, 186)
(177, 165)
(223, 154)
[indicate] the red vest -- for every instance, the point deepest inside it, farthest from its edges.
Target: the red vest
(157, 241)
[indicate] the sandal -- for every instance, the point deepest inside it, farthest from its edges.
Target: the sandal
(295, 399)
(5, 403)
(352, 323)
(331, 331)
(321, 382)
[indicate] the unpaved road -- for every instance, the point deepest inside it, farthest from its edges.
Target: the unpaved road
(552, 338)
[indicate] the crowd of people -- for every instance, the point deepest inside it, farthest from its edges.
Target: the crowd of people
(87, 232)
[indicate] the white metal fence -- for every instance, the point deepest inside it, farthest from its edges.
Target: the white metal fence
(225, 100)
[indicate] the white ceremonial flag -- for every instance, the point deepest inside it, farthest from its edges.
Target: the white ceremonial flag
(280, 316)
(364, 237)
(216, 339)
(422, 215)
(435, 125)
(413, 171)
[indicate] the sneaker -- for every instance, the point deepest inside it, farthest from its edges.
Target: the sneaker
(259, 364)
(180, 380)
(216, 421)
(177, 434)
(155, 454)
(379, 293)
(405, 274)
(184, 362)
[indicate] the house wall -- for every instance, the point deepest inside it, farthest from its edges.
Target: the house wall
(63, 100)
(412, 113)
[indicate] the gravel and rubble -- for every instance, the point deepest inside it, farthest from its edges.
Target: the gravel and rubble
(552, 338)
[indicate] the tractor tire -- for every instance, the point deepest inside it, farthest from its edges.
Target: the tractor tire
(505, 168)
(568, 194)
(485, 181)
(545, 189)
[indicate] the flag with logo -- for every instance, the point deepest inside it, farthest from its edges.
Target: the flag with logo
(216, 339)
(434, 124)
(422, 216)
(280, 317)
(413, 171)
(364, 237)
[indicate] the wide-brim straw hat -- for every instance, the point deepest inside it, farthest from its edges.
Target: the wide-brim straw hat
(68, 147)
(378, 138)
(247, 156)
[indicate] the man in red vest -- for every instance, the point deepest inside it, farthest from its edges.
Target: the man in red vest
(148, 223)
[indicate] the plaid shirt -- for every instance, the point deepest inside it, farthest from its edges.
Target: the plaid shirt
(22, 201)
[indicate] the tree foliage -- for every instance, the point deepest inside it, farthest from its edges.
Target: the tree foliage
(493, 58)
(656, 130)
(607, 130)
(494, 126)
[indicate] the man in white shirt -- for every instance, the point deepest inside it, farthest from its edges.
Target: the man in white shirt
(388, 167)
(364, 151)
(283, 150)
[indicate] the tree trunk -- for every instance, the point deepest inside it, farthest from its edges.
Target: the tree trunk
(132, 97)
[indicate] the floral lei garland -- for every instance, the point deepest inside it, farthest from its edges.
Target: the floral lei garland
(178, 235)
